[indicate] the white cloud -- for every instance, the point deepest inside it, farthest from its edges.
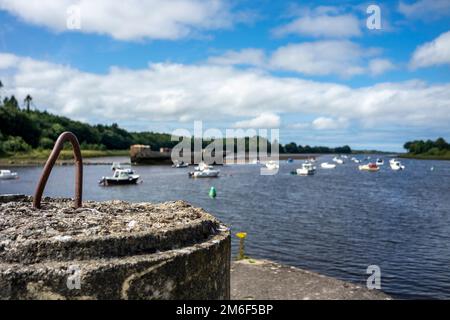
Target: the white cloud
(321, 25)
(127, 20)
(324, 123)
(7, 60)
(263, 121)
(318, 58)
(436, 52)
(425, 9)
(340, 57)
(380, 66)
(255, 57)
(177, 92)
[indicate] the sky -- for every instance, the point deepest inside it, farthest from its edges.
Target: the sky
(323, 73)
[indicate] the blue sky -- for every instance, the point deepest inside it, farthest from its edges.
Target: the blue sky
(312, 69)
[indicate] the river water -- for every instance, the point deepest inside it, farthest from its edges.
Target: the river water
(337, 222)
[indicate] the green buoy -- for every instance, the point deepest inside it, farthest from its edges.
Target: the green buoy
(212, 193)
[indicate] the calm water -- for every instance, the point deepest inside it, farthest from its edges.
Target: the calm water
(337, 222)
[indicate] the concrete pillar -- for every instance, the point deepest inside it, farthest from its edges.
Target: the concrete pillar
(111, 250)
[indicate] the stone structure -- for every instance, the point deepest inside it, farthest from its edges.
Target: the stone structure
(267, 280)
(143, 154)
(111, 250)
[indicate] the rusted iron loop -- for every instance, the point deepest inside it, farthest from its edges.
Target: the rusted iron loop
(64, 137)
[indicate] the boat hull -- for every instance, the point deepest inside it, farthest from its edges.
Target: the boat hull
(119, 182)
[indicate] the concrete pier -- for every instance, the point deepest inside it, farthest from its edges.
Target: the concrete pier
(265, 280)
(111, 250)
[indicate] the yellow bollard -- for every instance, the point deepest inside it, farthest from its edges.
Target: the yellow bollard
(241, 236)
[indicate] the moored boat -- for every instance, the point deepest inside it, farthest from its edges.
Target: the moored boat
(204, 170)
(372, 167)
(307, 169)
(396, 165)
(338, 160)
(380, 162)
(180, 164)
(120, 177)
(327, 165)
(8, 175)
(207, 173)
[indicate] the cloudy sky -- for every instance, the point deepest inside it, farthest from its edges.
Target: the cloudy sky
(314, 70)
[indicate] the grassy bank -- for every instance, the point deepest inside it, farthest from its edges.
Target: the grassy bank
(40, 156)
(426, 156)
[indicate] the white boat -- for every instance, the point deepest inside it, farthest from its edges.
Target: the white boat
(355, 160)
(327, 165)
(372, 167)
(396, 165)
(207, 173)
(180, 164)
(272, 165)
(338, 160)
(204, 170)
(8, 175)
(121, 177)
(307, 169)
(380, 162)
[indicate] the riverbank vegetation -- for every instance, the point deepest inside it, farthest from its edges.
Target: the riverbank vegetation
(433, 150)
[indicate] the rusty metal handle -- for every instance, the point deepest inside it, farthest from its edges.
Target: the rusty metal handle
(66, 136)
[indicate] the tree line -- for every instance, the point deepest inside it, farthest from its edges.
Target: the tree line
(437, 147)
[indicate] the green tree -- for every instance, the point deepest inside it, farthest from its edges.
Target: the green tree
(16, 144)
(27, 102)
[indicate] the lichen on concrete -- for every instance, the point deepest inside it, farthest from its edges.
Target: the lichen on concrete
(121, 251)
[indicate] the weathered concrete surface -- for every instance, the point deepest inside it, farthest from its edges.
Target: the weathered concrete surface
(111, 250)
(265, 280)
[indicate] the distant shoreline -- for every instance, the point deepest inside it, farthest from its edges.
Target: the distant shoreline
(39, 157)
(424, 157)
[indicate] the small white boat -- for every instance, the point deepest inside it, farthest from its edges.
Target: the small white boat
(180, 164)
(380, 162)
(204, 170)
(307, 169)
(207, 173)
(8, 175)
(372, 167)
(120, 177)
(327, 165)
(272, 165)
(396, 165)
(355, 160)
(338, 160)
